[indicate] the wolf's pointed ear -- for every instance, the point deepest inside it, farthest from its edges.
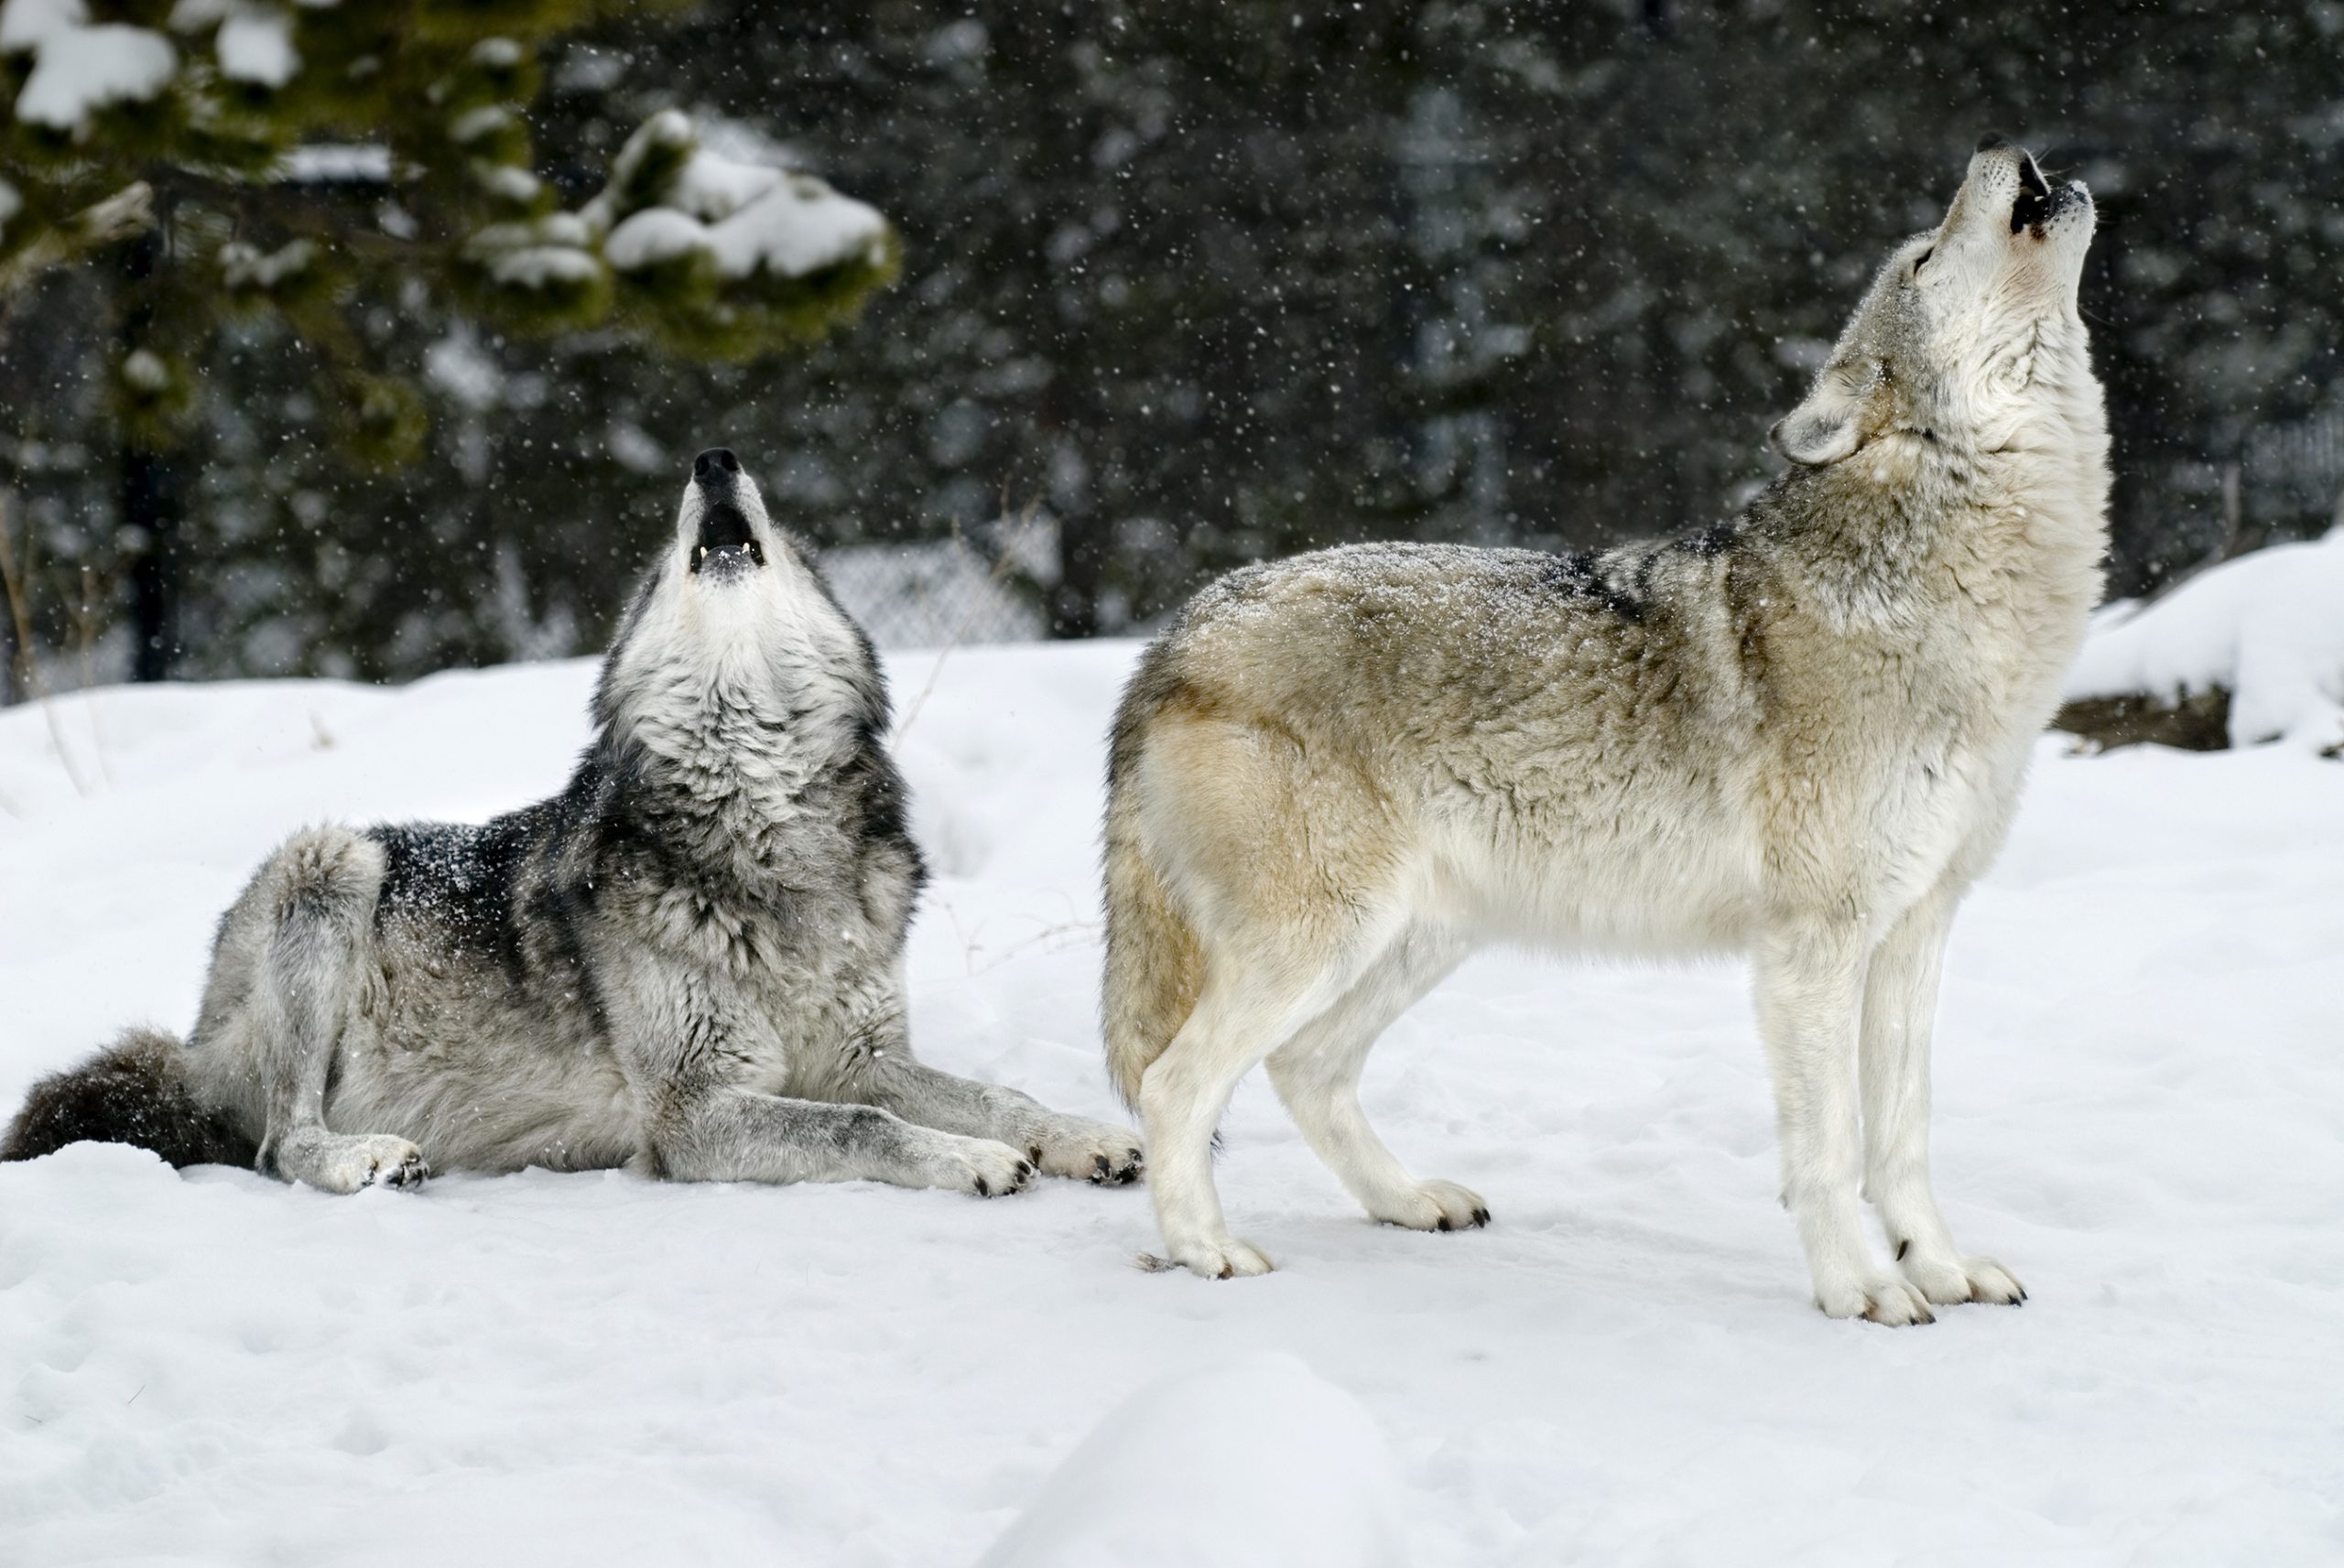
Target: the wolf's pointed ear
(1830, 424)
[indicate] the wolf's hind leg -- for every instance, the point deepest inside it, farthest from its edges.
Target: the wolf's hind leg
(316, 895)
(1316, 1073)
(1250, 1005)
(1900, 1008)
(1072, 1146)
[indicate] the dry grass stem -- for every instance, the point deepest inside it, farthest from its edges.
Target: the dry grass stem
(16, 583)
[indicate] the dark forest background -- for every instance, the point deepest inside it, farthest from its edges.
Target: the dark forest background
(1203, 282)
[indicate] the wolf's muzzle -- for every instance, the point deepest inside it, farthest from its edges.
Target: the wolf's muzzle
(726, 537)
(2038, 200)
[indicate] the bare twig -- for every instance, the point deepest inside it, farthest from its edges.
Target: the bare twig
(17, 584)
(972, 939)
(19, 613)
(85, 635)
(1048, 934)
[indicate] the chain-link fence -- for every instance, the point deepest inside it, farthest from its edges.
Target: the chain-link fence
(937, 592)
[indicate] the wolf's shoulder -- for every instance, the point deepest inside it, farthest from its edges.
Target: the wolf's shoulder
(459, 875)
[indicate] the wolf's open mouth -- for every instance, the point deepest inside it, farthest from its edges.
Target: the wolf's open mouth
(726, 537)
(2035, 198)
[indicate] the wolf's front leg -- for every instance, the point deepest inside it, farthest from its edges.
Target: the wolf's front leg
(687, 1038)
(1810, 983)
(1900, 1008)
(1072, 1146)
(737, 1135)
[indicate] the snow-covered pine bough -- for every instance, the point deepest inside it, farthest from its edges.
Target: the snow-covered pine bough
(690, 961)
(1799, 734)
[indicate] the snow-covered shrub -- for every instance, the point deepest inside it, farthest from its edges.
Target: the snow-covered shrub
(726, 256)
(249, 113)
(2249, 650)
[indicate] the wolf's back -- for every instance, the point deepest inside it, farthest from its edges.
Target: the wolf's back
(134, 1091)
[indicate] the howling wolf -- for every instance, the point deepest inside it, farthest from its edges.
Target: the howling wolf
(1798, 734)
(690, 961)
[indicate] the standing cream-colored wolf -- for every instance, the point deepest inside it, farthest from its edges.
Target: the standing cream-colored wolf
(1800, 734)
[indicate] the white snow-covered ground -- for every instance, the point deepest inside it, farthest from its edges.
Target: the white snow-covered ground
(2141, 1108)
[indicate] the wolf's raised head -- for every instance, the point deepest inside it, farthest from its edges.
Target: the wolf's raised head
(730, 574)
(734, 607)
(1971, 333)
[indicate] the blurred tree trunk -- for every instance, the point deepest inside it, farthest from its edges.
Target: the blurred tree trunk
(1083, 545)
(152, 505)
(10, 653)
(151, 509)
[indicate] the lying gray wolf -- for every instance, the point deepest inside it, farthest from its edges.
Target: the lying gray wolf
(690, 961)
(1799, 734)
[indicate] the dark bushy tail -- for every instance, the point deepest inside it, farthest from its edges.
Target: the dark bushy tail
(134, 1091)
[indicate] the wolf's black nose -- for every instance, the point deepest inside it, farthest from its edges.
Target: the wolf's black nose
(1992, 140)
(714, 463)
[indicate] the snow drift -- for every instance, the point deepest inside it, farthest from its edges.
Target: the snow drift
(2267, 628)
(1257, 1464)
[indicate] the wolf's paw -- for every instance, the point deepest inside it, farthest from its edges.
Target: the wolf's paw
(1225, 1259)
(1436, 1206)
(380, 1160)
(1094, 1151)
(981, 1166)
(1948, 1279)
(1875, 1298)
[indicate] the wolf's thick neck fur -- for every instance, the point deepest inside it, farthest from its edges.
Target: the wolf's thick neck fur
(739, 715)
(2001, 522)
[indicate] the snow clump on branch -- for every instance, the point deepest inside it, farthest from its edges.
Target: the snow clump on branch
(671, 197)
